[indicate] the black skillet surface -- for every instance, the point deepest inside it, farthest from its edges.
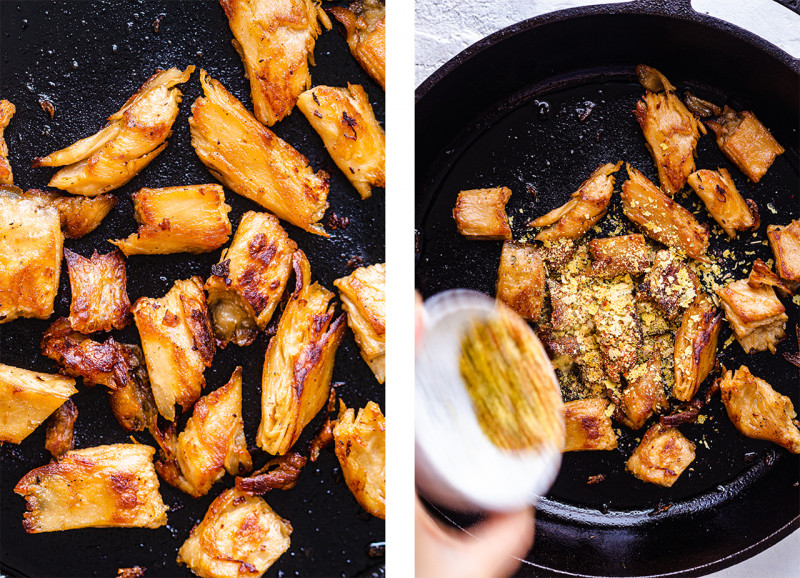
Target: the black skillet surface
(506, 112)
(87, 58)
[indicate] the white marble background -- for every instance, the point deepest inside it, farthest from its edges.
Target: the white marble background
(443, 28)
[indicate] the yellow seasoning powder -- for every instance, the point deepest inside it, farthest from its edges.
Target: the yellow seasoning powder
(509, 380)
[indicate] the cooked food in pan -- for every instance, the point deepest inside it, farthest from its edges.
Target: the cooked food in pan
(279, 473)
(240, 535)
(275, 40)
(118, 485)
(618, 331)
(118, 366)
(177, 342)
(619, 255)
(723, 201)
(746, 142)
(644, 394)
(756, 315)
(365, 23)
(480, 214)
(671, 131)
(245, 286)
(31, 244)
(662, 456)
(588, 425)
(360, 445)
(190, 219)
(60, 436)
(99, 291)
(761, 274)
(79, 215)
(80, 356)
(785, 243)
(363, 295)
(586, 206)
(132, 402)
(758, 411)
(670, 284)
(299, 362)
(570, 336)
(134, 136)
(252, 161)
(101, 487)
(7, 110)
(695, 346)
(211, 443)
(632, 322)
(27, 398)
(344, 120)
(661, 218)
(521, 279)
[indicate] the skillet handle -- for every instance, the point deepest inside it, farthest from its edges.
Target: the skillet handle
(775, 21)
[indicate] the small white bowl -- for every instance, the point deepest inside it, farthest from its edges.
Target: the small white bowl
(457, 466)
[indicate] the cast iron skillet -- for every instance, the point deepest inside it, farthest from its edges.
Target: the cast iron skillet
(506, 112)
(88, 58)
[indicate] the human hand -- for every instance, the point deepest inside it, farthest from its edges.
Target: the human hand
(490, 548)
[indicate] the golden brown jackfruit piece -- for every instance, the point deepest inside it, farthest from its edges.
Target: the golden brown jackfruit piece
(785, 243)
(618, 331)
(7, 110)
(80, 356)
(363, 295)
(100, 487)
(211, 443)
(344, 120)
(246, 285)
(133, 137)
(723, 201)
(585, 208)
(79, 215)
(299, 362)
(275, 40)
(252, 161)
(27, 398)
(187, 219)
(31, 244)
(118, 366)
(761, 274)
(662, 456)
(480, 214)
(671, 131)
(661, 218)
(365, 23)
(758, 411)
(746, 142)
(670, 284)
(99, 291)
(756, 315)
(644, 394)
(521, 279)
(177, 342)
(60, 436)
(588, 426)
(619, 255)
(695, 346)
(240, 535)
(360, 446)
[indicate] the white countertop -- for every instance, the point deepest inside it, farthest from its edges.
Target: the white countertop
(446, 27)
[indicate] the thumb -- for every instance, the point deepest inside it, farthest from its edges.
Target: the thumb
(503, 538)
